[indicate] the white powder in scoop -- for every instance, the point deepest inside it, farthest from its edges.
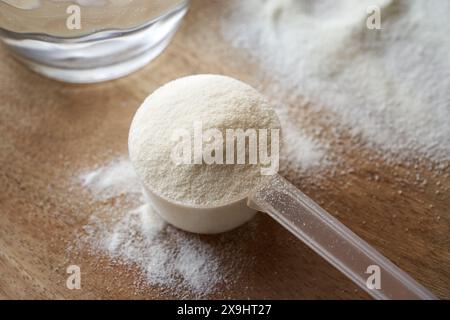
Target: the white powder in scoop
(389, 86)
(217, 102)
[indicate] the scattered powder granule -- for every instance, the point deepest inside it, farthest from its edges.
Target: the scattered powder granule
(165, 256)
(117, 177)
(300, 151)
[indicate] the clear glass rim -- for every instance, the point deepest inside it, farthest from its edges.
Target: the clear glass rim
(94, 36)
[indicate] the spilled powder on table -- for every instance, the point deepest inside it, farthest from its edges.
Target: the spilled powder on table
(166, 257)
(300, 151)
(116, 178)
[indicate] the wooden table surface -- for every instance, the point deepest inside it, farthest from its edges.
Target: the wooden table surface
(49, 131)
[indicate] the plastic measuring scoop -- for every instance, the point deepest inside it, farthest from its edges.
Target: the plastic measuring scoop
(307, 221)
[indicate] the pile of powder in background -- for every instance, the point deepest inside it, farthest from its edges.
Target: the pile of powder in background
(389, 86)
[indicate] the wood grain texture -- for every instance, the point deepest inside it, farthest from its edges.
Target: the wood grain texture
(49, 131)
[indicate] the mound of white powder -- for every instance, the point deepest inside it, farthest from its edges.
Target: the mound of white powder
(217, 102)
(389, 86)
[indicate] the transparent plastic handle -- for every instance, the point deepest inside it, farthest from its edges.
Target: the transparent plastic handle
(335, 243)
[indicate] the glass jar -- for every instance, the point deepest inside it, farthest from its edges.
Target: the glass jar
(84, 41)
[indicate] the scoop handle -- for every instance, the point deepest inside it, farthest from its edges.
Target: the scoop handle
(337, 244)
